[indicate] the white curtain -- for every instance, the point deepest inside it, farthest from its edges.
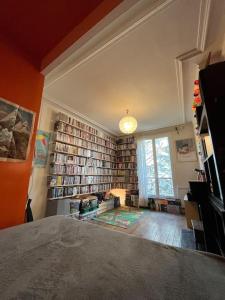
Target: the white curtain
(141, 170)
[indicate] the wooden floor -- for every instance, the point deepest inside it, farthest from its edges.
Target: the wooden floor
(157, 226)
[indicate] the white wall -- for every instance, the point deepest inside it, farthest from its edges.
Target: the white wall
(182, 171)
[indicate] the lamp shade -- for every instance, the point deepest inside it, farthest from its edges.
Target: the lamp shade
(128, 124)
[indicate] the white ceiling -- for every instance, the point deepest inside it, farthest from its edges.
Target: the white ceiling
(140, 66)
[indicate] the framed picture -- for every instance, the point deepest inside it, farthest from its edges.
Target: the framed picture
(186, 150)
(41, 148)
(16, 128)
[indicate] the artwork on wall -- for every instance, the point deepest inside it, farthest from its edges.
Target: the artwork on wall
(41, 148)
(186, 150)
(16, 128)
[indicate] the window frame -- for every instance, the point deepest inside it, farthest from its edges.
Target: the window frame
(153, 138)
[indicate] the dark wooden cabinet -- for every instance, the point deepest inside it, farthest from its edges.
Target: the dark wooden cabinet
(211, 122)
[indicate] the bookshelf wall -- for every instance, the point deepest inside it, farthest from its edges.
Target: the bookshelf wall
(126, 164)
(81, 160)
(84, 160)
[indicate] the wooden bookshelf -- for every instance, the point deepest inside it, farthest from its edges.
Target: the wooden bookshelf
(126, 164)
(81, 160)
(84, 160)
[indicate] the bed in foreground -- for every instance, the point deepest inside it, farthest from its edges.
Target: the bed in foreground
(61, 258)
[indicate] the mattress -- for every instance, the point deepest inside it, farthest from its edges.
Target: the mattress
(63, 258)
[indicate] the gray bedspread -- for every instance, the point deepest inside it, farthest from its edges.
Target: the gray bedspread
(61, 258)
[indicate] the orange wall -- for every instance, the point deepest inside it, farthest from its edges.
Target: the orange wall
(20, 83)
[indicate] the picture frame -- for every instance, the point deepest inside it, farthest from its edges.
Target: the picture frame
(16, 129)
(186, 150)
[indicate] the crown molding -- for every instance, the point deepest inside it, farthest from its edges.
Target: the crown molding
(133, 17)
(74, 112)
(180, 88)
(203, 21)
(134, 14)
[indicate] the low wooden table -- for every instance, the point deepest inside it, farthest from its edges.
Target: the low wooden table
(191, 212)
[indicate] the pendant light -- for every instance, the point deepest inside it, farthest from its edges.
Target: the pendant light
(128, 124)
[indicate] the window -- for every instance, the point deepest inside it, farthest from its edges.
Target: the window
(155, 168)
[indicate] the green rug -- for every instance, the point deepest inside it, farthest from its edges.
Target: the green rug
(120, 218)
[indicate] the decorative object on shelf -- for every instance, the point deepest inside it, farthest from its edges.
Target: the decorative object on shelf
(186, 150)
(197, 98)
(41, 148)
(16, 128)
(128, 124)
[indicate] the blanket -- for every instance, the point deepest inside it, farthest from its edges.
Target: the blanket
(63, 258)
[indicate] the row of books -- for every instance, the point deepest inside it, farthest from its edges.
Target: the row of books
(67, 169)
(60, 192)
(121, 159)
(126, 152)
(125, 173)
(130, 179)
(126, 147)
(56, 180)
(76, 141)
(125, 165)
(61, 158)
(128, 186)
(89, 170)
(80, 170)
(77, 123)
(60, 147)
(83, 126)
(68, 129)
(126, 140)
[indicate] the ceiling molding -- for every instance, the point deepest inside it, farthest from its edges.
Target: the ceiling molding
(109, 35)
(204, 15)
(71, 110)
(203, 24)
(119, 28)
(180, 88)
(91, 33)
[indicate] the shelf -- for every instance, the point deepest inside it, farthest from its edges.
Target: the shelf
(217, 204)
(72, 154)
(125, 143)
(126, 161)
(207, 158)
(124, 182)
(105, 145)
(88, 141)
(62, 164)
(77, 127)
(77, 195)
(126, 155)
(203, 126)
(79, 184)
(198, 114)
(124, 169)
(86, 148)
(68, 164)
(66, 174)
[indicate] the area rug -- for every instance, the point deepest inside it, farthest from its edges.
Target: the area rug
(120, 218)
